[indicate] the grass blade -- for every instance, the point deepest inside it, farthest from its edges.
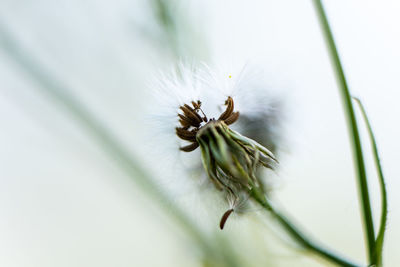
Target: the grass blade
(353, 129)
(384, 209)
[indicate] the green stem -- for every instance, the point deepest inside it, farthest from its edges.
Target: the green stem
(353, 129)
(382, 227)
(297, 235)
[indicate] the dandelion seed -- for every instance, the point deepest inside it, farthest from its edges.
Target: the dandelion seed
(225, 218)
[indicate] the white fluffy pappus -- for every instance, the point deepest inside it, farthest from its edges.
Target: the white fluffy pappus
(170, 90)
(253, 96)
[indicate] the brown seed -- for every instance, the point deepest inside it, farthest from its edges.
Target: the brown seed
(190, 147)
(224, 218)
(185, 122)
(185, 134)
(196, 105)
(191, 114)
(232, 118)
(193, 111)
(189, 119)
(229, 109)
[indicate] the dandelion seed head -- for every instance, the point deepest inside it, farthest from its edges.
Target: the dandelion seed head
(194, 105)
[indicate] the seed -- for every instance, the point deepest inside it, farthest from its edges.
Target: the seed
(229, 109)
(190, 147)
(232, 118)
(224, 218)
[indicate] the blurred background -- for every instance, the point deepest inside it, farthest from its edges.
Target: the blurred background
(79, 185)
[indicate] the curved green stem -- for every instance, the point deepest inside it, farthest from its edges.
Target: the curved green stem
(299, 236)
(384, 210)
(354, 133)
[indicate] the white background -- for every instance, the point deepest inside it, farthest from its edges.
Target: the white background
(63, 202)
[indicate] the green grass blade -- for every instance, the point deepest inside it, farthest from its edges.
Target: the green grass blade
(353, 129)
(378, 166)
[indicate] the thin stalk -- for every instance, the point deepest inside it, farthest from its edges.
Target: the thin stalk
(384, 210)
(299, 236)
(101, 134)
(354, 133)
